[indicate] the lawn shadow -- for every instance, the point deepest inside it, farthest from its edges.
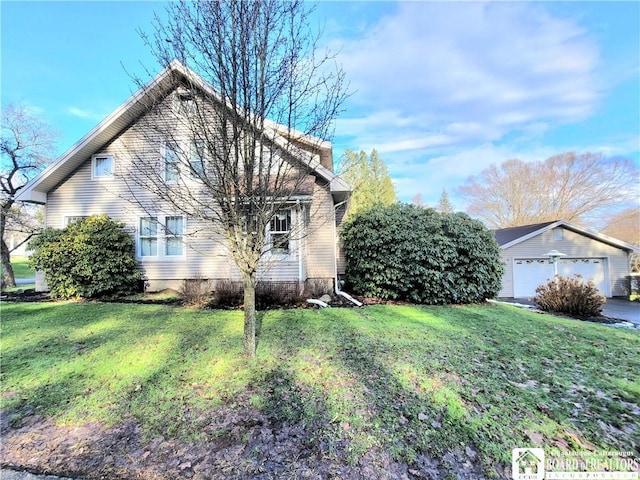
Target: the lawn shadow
(97, 366)
(380, 421)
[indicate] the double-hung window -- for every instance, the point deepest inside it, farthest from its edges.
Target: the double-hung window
(102, 166)
(196, 158)
(73, 219)
(161, 236)
(171, 163)
(149, 237)
(280, 232)
(174, 236)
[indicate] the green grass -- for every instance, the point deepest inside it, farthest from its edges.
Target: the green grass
(407, 380)
(21, 268)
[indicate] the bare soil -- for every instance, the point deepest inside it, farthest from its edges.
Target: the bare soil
(253, 447)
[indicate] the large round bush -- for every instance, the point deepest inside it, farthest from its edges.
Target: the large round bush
(91, 258)
(404, 252)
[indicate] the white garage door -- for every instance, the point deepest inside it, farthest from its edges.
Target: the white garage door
(528, 273)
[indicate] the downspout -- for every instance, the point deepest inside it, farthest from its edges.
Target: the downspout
(335, 260)
(301, 245)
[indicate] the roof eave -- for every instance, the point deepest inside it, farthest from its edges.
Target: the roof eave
(594, 235)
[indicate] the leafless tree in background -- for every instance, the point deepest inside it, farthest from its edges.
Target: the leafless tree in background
(274, 92)
(580, 188)
(625, 226)
(27, 146)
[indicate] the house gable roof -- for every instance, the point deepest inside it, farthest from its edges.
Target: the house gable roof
(508, 237)
(36, 190)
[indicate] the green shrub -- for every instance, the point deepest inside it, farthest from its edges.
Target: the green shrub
(91, 258)
(571, 296)
(408, 253)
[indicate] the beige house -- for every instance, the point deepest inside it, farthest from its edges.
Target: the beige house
(594, 256)
(96, 176)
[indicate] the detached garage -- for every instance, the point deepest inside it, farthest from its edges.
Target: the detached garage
(594, 256)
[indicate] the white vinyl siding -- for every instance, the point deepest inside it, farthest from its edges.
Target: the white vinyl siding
(204, 255)
(320, 247)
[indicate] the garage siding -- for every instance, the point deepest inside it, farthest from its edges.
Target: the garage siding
(574, 245)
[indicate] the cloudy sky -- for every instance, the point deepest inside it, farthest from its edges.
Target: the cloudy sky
(441, 90)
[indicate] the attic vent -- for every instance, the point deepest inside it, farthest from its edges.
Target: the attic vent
(184, 94)
(184, 101)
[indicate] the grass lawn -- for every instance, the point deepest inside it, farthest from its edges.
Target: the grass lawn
(21, 267)
(401, 379)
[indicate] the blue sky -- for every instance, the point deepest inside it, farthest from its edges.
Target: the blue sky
(441, 90)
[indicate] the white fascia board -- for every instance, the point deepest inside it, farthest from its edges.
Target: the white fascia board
(561, 223)
(535, 233)
(30, 192)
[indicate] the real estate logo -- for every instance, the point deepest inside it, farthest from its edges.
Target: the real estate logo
(527, 463)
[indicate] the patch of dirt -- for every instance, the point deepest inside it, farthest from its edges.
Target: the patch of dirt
(252, 447)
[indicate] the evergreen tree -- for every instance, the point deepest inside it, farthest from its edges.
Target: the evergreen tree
(444, 204)
(369, 177)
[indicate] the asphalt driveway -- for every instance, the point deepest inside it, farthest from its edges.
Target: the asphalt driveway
(618, 308)
(622, 309)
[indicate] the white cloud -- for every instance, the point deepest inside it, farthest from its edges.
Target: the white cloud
(85, 114)
(492, 67)
(443, 90)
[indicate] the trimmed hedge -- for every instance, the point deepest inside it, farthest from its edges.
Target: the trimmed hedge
(91, 258)
(403, 252)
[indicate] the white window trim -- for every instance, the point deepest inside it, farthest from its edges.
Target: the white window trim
(184, 149)
(93, 166)
(558, 234)
(292, 243)
(162, 239)
(193, 150)
(66, 218)
(166, 145)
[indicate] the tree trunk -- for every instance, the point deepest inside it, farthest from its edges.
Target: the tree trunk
(249, 283)
(8, 279)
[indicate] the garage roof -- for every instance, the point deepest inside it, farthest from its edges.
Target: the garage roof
(508, 237)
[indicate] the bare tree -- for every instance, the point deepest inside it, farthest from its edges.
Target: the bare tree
(27, 146)
(274, 98)
(580, 188)
(417, 200)
(625, 226)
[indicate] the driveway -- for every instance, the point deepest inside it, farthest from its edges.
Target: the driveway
(622, 309)
(618, 308)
